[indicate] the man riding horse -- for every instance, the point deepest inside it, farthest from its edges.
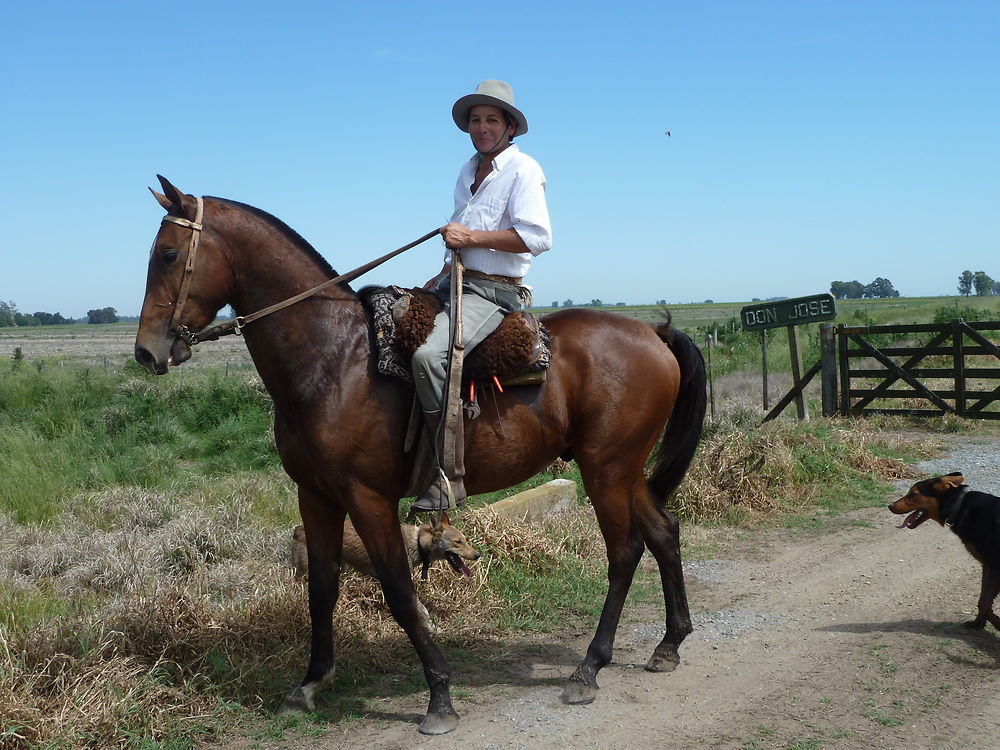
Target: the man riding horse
(500, 221)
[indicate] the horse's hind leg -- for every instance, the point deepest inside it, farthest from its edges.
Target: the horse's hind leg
(379, 529)
(624, 547)
(324, 527)
(661, 532)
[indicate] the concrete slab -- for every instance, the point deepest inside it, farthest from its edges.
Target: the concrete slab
(534, 504)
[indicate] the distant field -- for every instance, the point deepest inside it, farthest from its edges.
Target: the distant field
(855, 311)
(106, 346)
(111, 345)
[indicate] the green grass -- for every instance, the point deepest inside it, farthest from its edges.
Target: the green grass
(72, 429)
(880, 715)
(537, 603)
(19, 606)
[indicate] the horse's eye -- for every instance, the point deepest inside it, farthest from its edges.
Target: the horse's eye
(170, 256)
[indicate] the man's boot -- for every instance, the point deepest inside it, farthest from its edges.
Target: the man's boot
(435, 497)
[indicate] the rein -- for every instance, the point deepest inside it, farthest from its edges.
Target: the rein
(237, 324)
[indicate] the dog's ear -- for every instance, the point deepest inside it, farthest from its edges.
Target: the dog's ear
(445, 521)
(954, 479)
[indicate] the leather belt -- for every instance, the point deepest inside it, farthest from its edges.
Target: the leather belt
(496, 279)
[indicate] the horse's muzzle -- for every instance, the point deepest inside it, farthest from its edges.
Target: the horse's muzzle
(158, 364)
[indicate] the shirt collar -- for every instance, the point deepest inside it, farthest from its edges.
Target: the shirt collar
(501, 159)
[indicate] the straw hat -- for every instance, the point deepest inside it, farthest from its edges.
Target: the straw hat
(496, 94)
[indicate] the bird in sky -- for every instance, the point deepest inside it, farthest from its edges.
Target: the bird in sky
(668, 133)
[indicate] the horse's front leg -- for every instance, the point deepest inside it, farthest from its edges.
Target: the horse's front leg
(624, 545)
(324, 527)
(378, 526)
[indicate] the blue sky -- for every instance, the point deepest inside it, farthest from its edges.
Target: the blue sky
(811, 141)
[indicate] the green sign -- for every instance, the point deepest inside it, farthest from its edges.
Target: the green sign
(788, 312)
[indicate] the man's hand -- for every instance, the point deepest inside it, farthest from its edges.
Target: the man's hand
(431, 283)
(457, 236)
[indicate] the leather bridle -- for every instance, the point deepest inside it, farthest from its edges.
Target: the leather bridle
(237, 324)
(195, 226)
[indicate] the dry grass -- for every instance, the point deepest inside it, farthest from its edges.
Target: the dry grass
(469, 610)
(116, 632)
(154, 611)
(746, 473)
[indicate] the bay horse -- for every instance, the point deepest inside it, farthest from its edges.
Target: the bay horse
(615, 386)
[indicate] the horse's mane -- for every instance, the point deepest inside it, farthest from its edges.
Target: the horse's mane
(294, 237)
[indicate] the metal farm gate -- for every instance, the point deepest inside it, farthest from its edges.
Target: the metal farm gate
(953, 373)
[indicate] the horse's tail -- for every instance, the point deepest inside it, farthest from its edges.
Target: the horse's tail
(680, 439)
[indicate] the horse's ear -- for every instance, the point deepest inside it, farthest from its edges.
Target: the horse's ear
(177, 203)
(162, 200)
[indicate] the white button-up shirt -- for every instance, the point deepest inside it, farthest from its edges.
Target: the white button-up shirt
(511, 197)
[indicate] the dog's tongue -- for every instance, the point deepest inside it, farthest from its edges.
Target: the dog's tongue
(458, 564)
(909, 520)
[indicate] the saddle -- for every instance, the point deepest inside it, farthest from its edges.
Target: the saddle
(516, 353)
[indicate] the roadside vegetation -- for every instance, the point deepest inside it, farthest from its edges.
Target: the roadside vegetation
(147, 598)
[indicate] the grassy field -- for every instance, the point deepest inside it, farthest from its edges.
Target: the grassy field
(110, 346)
(146, 594)
(693, 318)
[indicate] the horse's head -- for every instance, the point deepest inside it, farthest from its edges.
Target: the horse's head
(187, 282)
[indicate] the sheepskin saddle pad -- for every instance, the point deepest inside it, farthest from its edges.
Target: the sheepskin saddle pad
(402, 319)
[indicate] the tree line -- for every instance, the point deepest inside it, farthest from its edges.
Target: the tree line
(880, 289)
(10, 317)
(978, 282)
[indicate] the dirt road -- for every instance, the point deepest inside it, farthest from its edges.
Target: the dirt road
(844, 638)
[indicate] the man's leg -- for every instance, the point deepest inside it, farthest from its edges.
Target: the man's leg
(479, 319)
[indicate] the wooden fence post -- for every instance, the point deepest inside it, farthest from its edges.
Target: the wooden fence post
(763, 361)
(793, 350)
(711, 339)
(845, 377)
(958, 352)
(828, 368)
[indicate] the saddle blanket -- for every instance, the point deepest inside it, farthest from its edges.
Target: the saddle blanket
(403, 318)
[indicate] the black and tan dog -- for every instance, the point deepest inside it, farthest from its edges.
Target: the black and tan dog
(973, 516)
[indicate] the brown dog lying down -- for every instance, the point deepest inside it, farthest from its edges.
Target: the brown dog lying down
(975, 519)
(425, 544)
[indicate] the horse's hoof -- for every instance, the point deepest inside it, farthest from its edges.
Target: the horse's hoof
(976, 624)
(577, 693)
(662, 663)
(439, 723)
(297, 701)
